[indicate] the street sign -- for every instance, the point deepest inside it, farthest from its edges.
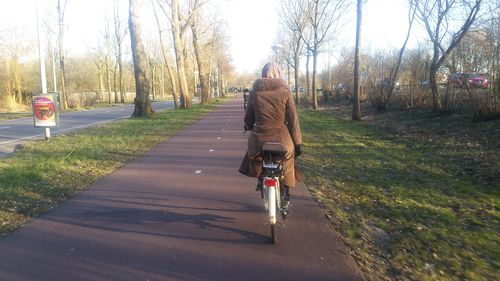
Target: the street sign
(45, 110)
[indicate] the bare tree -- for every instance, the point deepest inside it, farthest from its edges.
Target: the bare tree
(197, 32)
(120, 32)
(180, 22)
(107, 58)
(51, 49)
(60, 13)
(473, 54)
(152, 62)
(356, 105)
(307, 39)
(13, 48)
(439, 18)
(325, 20)
(215, 50)
(395, 71)
(166, 59)
(99, 63)
(493, 36)
(416, 67)
(142, 100)
(295, 17)
(385, 69)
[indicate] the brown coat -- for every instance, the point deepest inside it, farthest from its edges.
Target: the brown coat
(272, 115)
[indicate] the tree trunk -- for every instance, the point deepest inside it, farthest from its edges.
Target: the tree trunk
(395, 72)
(119, 37)
(120, 78)
(153, 79)
(142, 101)
(201, 73)
(209, 78)
(62, 71)
(179, 57)
(170, 72)
(173, 84)
(162, 80)
(356, 107)
(108, 78)
(435, 18)
(315, 62)
(296, 75)
(223, 84)
(436, 99)
(115, 78)
(308, 86)
(288, 74)
(101, 81)
(61, 53)
(205, 97)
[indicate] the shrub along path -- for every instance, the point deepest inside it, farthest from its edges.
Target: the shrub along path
(180, 212)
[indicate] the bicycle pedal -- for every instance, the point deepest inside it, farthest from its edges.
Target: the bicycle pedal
(285, 214)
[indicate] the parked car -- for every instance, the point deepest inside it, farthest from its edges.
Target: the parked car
(473, 80)
(292, 89)
(386, 83)
(425, 84)
(343, 89)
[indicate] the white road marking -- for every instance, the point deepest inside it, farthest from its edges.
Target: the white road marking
(210, 150)
(218, 138)
(4, 127)
(197, 172)
(26, 138)
(63, 130)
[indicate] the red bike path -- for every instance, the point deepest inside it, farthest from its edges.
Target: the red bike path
(180, 212)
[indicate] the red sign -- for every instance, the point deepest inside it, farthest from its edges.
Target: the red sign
(45, 110)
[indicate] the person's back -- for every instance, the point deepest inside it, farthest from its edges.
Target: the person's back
(246, 93)
(272, 117)
(269, 107)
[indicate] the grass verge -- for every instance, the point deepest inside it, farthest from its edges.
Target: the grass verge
(41, 174)
(415, 197)
(99, 105)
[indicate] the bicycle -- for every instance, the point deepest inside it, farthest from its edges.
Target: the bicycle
(273, 154)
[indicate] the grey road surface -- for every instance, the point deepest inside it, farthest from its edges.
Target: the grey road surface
(17, 131)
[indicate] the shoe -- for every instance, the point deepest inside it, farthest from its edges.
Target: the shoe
(260, 188)
(285, 201)
(260, 185)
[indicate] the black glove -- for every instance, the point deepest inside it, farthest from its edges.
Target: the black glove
(248, 128)
(298, 150)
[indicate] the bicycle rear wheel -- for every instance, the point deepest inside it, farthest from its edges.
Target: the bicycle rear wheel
(272, 210)
(271, 204)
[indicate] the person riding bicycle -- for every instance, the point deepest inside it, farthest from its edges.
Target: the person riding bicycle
(246, 93)
(271, 116)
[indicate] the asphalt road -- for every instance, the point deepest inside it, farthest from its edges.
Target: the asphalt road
(180, 212)
(17, 131)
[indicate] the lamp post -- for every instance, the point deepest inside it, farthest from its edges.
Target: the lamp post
(43, 77)
(276, 49)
